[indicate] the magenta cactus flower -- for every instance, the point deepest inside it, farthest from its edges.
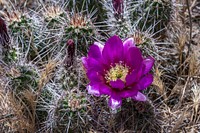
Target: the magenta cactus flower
(117, 69)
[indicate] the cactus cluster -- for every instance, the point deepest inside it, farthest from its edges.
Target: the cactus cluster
(43, 82)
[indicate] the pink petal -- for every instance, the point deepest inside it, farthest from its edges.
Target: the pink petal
(128, 43)
(114, 103)
(126, 93)
(139, 97)
(94, 52)
(131, 78)
(148, 62)
(93, 90)
(104, 89)
(94, 65)
(84, 61)
(95, 77)
(134, 58)
(118, 84)
(113, 50)
(146, 81)
(101, 46)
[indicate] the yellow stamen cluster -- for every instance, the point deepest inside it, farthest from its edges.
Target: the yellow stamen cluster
(119, 71)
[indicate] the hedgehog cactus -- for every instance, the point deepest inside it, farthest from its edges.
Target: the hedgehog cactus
(151, 15)
(22, 31)
(24, 78)
(53, 15)
(79, 24)
(118, 17)
(17, 21)
(69, 108)
(81, 28)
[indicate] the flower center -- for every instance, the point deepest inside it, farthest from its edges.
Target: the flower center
(119, 71)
